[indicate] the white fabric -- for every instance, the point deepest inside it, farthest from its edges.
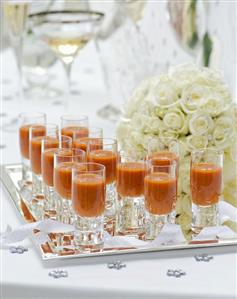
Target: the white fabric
(26, 275)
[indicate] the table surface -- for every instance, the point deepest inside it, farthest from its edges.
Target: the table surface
(26, 276)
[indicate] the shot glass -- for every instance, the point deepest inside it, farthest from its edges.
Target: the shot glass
(106, 155)
(39, 135)
(64, 160)
(94, 134)
(206, 187)
(47, 167)
(163, 151)
(74, 126)
(88, 200)
(130, 214)
(160, 197)
(26, 121)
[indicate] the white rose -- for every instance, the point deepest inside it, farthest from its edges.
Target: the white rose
(139, 144)
(122, 131)
(164, 132)
(146, 108)
(214, 77)
(200, 123)
(184, 72)
(193, 97)
(132, 145)
(233, 150)
(145, 124)
(175, 120)
(138, 96)
(161, 112)
(226, 121)
(194, 142)
(223, 134)
(230, 192)
(165, 93)
(214, 105)
(230, 168)
(219, 138)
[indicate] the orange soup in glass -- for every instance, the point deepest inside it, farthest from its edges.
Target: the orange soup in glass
(206, 171)
(160, 193)
(206, 183)
(163, 158)
(74, 126)
(36, 150)
(83, 142)
(130, 179)
(65, 159)
(106, 158)
(47, 162)
(63, 179)
(39, 130)
(73, 131)
(89, 195)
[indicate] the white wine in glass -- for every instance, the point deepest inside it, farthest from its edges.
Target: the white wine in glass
(66, 47)
(66, 32)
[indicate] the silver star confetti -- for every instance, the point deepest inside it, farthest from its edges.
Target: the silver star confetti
(175, 273)
(58, 273)
(18, 249)
(203, 257)
(116, 265)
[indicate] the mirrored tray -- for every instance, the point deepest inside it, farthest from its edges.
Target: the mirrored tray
(11, 176)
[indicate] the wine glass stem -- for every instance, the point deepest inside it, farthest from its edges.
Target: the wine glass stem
(67, 67)
(18, 51)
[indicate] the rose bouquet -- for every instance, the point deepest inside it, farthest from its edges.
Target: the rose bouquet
(193, 105)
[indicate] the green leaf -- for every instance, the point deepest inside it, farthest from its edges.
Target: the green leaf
(193, 4)
(193, 40)
(207, 49)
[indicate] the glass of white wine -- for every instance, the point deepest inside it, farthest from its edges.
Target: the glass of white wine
(16, 13)
(66, 32)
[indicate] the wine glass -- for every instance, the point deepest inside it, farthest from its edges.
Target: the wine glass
(66, 32)
(16, 12)
(118, 56)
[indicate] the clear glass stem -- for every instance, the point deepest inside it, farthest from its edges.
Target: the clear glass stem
(26, 173)
(50, 202)
(204, 216)
(37, 202)
(110, 208)
(68, 68)
(65, 214)
(37, 187)
(130, 216)
(18, 52)
(89, 233)
(65, 211)
(154, 224)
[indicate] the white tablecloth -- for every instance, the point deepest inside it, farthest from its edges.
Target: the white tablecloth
(26, 276)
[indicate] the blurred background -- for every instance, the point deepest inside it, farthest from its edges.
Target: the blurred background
(48, 64)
